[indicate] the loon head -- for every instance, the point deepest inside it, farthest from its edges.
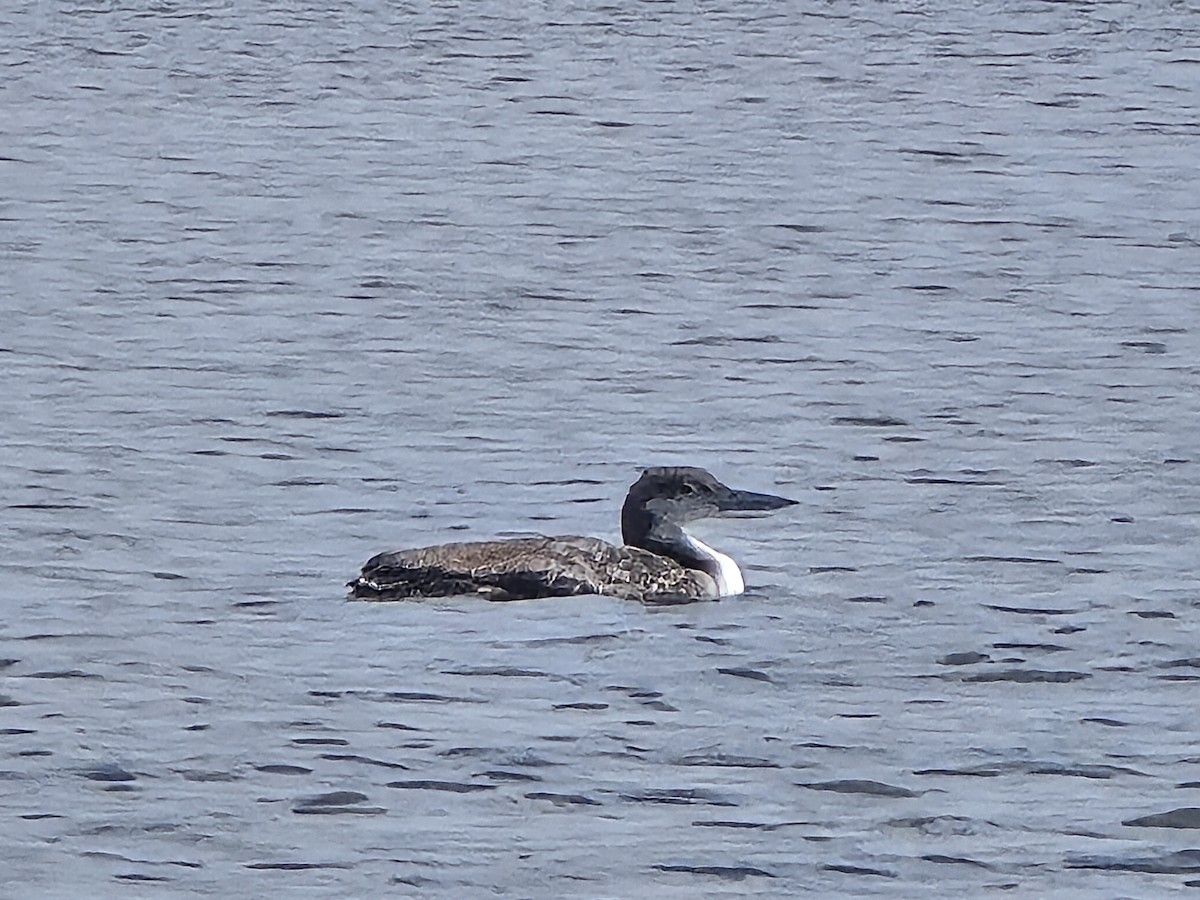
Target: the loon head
(666, 498)
(681, 494)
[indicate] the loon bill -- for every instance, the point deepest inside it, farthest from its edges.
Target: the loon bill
(659, 562)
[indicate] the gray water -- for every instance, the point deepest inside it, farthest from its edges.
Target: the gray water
(287, 287)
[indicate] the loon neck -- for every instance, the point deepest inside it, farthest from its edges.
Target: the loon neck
(692, 553)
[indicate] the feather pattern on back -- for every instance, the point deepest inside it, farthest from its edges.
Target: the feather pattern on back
(529, 568)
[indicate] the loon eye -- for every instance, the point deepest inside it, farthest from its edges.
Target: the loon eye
(689, 489)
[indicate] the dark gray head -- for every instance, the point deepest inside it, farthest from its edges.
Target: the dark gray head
(667, 497)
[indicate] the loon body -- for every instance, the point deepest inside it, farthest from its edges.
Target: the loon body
(659, 562)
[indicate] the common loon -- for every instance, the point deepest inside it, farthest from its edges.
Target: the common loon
(660, 562)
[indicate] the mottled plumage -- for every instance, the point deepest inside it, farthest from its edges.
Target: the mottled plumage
(659, 563)
(526, 568)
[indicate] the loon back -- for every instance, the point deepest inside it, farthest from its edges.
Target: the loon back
(529, 569)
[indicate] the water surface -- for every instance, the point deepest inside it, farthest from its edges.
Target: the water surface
(288, 287)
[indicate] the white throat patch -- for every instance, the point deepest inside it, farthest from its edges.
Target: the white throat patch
(729, 576)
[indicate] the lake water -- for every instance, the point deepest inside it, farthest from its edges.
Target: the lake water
(287, 287)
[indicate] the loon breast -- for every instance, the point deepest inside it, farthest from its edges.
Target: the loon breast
(726, 575)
